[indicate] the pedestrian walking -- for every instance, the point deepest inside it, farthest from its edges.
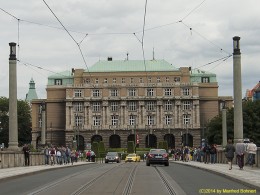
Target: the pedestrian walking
(251, 150)
(229, 153)
(240, 152)
(26, 151)
(206, 151)
(213, 154)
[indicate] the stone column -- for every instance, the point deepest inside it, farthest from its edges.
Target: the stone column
(13, 120)
(224, 127)
(238, 114)
(43, 132)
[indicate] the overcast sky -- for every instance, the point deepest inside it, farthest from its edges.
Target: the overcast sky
(191, 33)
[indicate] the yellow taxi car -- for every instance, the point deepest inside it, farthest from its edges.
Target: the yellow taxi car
(132, 158)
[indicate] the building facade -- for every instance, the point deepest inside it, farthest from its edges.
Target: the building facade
(119, 101)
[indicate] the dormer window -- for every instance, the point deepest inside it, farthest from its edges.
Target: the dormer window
(58, 81)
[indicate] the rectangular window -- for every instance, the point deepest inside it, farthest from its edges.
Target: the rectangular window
(114, 106)
(150, 120)
(96, 106)
(167, 80)
(95, 93)
(150, 92)
(114, 119)
(77, 93)
(132, 106)
(158, 79)
(132, 120)
(149, 79)
(168, 119)
(186, 119)
(114, 80)
(58, 81)
(86, 80)
(78, 121)
(150, 106)
(78, 106)
(105, 80)
(131, 92)
(131, 80)
(167, 92)
(186, 105)
(96, 81)
(141, 80)
(40, 122)
(96, 120)
(177, 79)
(186, 91)
(123, 80)
(205, 79)
(114, 92)
(168, 105)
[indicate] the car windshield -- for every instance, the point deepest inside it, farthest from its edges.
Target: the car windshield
(131, 155)
(157, 151)
(112, 154)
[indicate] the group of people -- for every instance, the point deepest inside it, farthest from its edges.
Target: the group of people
(206, 154)
(61, 155)
(239, 151)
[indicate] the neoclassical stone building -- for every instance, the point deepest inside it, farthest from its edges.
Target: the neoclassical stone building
(126, 100)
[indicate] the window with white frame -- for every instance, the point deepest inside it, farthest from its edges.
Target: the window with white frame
(150, 105)
(114, 106)
(168, 105)
(150, 120)
(96, 106)
(40, 122)
(96, 92)
(131, 80)
(186, 119)
(114, 119)
(168, 119)
(158, 79)
(58, 81)
(78, 121)
(114, 92)
(132, 92)
(167, 79)
(78, 106)
(132, 119)
(186, 91)
(96, 120)
(205, 79)
(150, 92)
(77, 92)
(132, 106)
(186, 105)
(150, 79)
(105, 80)
(86, 80)
(114, 80)
(96, 81)
(168, 92)
(123, 80)
(141, 80)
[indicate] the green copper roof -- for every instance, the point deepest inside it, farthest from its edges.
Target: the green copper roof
(32, 92)
(61, 75)
(197, 74)
(132, 66)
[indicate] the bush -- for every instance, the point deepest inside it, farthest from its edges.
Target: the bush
(130, 147)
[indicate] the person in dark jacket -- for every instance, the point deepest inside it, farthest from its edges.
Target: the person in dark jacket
(229, 153)
(26, 151)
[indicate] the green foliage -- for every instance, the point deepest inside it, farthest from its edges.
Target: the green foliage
(251, 124)
(95, 148)
(163, 145)
(24, 121)
(130, 147)
(101, 149)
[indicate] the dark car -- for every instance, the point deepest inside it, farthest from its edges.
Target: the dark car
(112, 157)
(157, 156)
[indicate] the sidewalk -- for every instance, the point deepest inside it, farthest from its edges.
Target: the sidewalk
(16, 171)
(248, 175)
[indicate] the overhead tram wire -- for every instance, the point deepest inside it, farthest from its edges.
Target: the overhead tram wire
(224, 59)
(193, 10)
(72, 39)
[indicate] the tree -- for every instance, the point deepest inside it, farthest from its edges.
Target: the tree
(251, 124)
(24, 121)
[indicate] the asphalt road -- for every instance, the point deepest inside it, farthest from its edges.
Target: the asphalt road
(122, 179)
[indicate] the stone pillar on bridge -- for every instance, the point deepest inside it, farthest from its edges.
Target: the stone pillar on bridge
(237, 83)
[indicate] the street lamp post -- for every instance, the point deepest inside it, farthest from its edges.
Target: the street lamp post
(51, 132)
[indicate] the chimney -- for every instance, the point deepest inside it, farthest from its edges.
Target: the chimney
(109, 58)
